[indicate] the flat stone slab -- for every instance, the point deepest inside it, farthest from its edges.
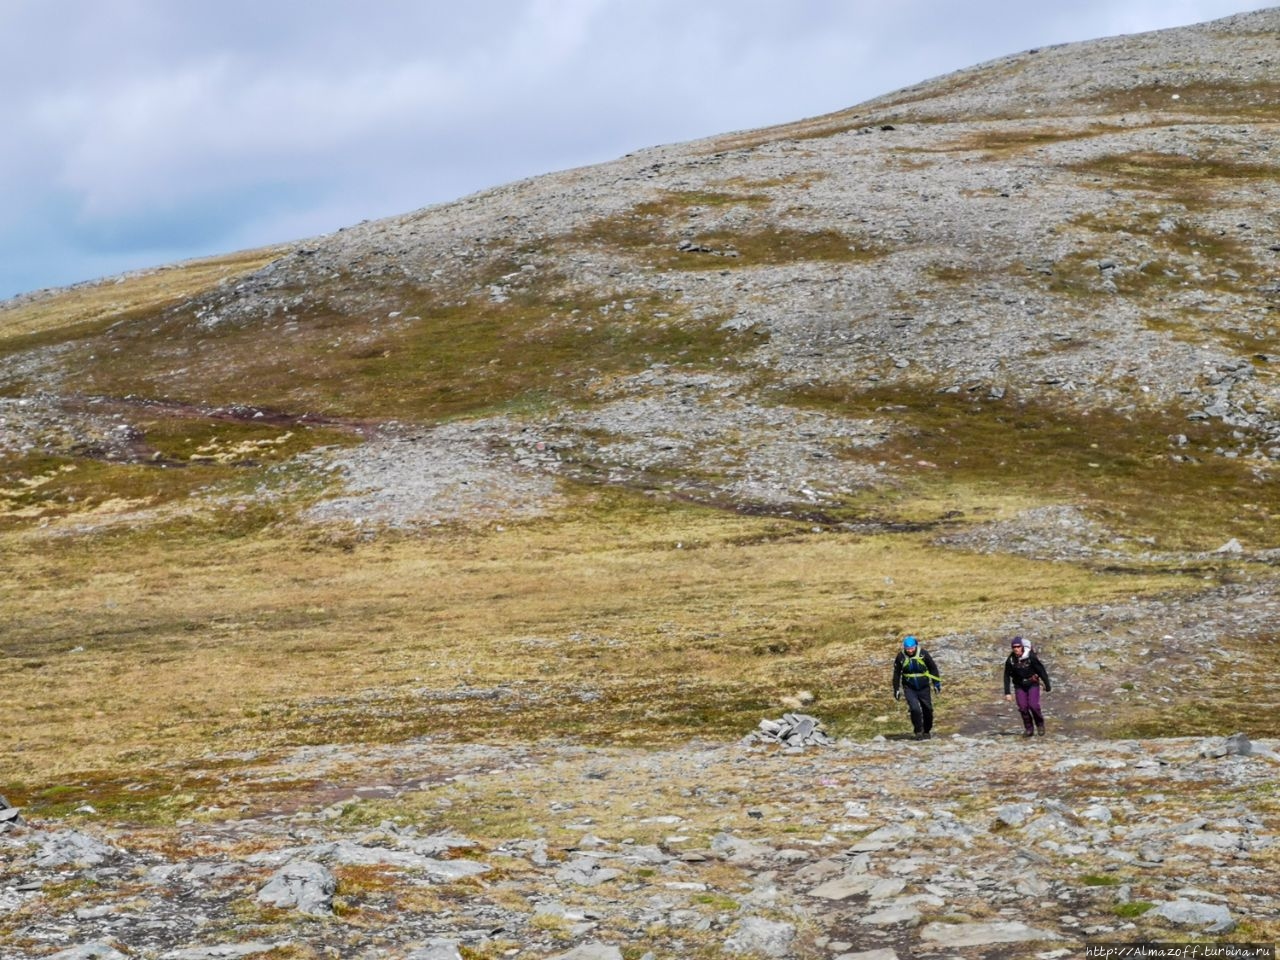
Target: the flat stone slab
(304, 885)
(437, 950)
(1213, 917)
(591, 951)
(90, 951)
(222, 951)
(72, 847)
(841, 888)
(979, 934)
(900, 914)
(356, 855)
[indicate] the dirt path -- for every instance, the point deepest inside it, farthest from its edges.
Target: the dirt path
(994, 717)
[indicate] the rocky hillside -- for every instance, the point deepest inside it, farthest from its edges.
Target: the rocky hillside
(1083, 237)
(404, 592)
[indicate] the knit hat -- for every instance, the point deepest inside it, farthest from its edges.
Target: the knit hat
(1017, 642)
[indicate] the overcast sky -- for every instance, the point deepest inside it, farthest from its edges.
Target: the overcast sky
(142, 132)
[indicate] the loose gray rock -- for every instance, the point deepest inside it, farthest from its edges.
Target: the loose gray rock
(1221, 842)
(1096, 812)
(792, 730)
(222, 951)
(897, 915)
(10, 817)
(591, 951)
(1014, 814)
(72, 847)
(304, 885)
(1235, 745)
(1210, 917)
(979, 934)
(736, 850)
(437, 950)
(354, 854)
(842, 888)
(586, 872)
(756, 935)
(90, 951)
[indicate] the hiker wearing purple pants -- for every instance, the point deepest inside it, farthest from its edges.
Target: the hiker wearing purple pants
(1024, 672)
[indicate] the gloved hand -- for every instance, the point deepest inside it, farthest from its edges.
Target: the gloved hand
(937, 686)
(897, 693)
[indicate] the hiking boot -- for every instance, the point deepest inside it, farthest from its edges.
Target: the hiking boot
(1039, 731)
(1027, 733)
(920, 736)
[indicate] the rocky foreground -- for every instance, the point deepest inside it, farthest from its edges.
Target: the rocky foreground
(985, 846)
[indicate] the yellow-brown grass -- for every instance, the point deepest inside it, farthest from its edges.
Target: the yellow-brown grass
(141, 291)
(626, 622)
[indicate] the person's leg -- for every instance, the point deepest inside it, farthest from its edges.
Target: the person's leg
(926, 711)
(913, 704)
(1023, 700)
(1033, 706)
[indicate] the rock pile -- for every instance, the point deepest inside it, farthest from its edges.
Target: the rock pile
(10, 818)
(1237, 744)
(793, 730)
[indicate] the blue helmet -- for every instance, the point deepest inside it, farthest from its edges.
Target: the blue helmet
(909, 643)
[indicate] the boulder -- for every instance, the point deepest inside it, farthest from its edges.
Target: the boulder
(72, 848)
(1209, 917)
(304, 885)
(1235, 745)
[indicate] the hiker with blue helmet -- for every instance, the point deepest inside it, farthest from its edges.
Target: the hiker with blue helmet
(914, 673)
(1024, 672)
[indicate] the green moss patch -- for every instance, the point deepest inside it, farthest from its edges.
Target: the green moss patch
(664, 235)
(1231, 331)
(1122, 467)
(1190, 179)
(1152, 257)
(1134, 908)
(492, 339)
(1101, 880)
(1254, 100)
(1005, 140)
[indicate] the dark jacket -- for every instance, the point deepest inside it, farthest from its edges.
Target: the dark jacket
(1025, 672)
(917, 672)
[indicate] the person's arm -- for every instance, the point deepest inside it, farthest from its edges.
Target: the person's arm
(932, 667)
(1008, 677)
(1044, 674)
(897, 675)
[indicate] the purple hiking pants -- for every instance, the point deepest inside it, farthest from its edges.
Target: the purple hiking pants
(1028, 702)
